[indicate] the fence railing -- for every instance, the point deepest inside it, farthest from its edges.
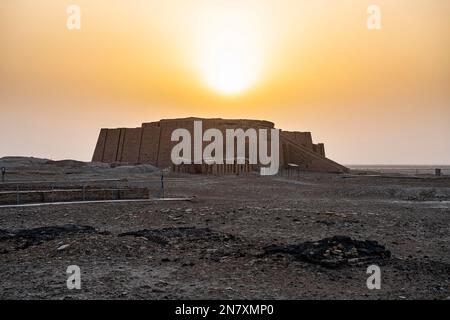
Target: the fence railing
(25, 192)
(294, 172)
(416, 171)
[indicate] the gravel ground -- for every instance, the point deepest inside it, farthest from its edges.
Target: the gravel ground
(219, 252)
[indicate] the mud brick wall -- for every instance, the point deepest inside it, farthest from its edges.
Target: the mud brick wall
(302, 138)
(131, 145)
(100, 147)
(152, 144)
(165, 143)
(319, 148)
(223, 125)
(306, 159)
(111, 145)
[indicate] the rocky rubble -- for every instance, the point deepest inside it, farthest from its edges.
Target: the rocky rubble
(333, 252)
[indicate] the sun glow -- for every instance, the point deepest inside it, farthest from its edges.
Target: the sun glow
(230, 53)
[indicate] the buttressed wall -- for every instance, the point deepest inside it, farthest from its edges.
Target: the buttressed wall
(151, 143)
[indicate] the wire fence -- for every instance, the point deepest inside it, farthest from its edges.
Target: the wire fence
(297, 172)
(405, 170)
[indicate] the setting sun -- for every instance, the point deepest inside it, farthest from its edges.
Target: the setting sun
(229, 67)
(229, 52)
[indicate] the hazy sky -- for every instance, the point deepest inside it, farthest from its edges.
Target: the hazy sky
(372, 96)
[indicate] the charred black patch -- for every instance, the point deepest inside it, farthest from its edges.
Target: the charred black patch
(165, 235)
(24, 238)
(333, 252)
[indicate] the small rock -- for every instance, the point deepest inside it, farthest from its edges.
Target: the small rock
(64, 246)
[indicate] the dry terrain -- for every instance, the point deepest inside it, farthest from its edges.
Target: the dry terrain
(221, 244)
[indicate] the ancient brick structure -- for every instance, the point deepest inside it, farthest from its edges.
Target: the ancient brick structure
(152, 144)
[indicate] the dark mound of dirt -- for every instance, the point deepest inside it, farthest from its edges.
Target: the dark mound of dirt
(333, 252)
(31, 237)
(165, 235)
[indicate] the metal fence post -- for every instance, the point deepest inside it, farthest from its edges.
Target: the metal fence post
(162, 183)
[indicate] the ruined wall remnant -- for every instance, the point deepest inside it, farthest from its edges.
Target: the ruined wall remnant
(151, 143)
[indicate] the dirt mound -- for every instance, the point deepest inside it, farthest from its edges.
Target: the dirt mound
(333, 252)
(165, 235)
(66, 163)
(13, 162)
(25, 238)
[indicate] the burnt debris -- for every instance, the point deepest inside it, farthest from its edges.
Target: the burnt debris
(165, 235)
(333, 252)
(25, 238)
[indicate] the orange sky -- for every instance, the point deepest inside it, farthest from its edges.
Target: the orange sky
(372, 96)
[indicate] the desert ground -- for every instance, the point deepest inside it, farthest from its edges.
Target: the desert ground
(220, 244)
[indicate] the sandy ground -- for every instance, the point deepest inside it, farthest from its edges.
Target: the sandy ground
(244, 214)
